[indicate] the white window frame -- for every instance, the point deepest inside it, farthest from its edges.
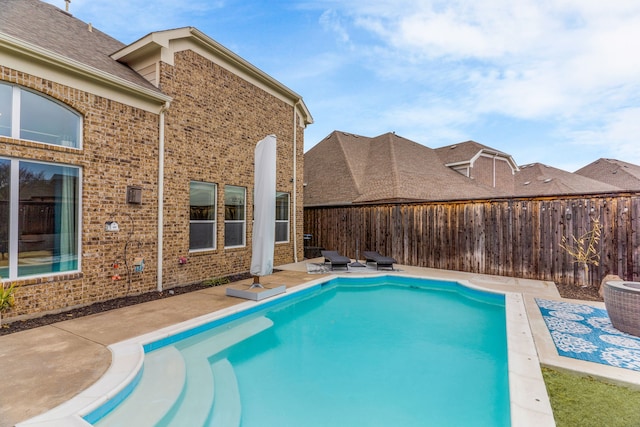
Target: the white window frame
(242, 221)
(214, 221)
(16, 98)
(14, 213)
(283, 221)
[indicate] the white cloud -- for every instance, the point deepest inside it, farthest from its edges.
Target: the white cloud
(568, 62)
(619, 133)
(331, 21)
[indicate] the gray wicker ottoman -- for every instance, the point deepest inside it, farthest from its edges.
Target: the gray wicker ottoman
(622, 300)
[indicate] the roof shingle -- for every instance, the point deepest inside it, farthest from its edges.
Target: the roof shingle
(50, 28)
(614, 172)
(345, 168)
(537, 179)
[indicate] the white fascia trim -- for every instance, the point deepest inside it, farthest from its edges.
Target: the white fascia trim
(458, 164)
(498, 155)
(150, 44)
(165, 43)
(49, 58)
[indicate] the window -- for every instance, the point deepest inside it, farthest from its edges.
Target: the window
(6, 94)
(39, 218)
(234, 216)
(282, 217)
(31, 116)
(202, 216)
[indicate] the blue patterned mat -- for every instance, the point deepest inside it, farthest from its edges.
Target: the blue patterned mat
(586, 333)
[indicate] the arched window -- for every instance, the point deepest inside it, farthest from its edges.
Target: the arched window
(36, 117)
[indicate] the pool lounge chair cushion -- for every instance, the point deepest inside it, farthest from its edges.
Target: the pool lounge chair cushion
(380, 260)
(335, 259)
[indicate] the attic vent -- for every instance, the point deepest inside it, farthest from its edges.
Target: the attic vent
(527, 183)
(547, 180)
(453, 146)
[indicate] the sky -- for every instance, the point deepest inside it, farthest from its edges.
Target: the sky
(549, 81)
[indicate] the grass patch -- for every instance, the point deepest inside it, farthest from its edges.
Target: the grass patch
(587, 402)
(216, 281)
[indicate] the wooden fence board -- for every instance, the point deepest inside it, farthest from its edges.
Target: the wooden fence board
(519, 238)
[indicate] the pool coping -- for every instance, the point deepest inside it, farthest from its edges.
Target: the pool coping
(530, 403)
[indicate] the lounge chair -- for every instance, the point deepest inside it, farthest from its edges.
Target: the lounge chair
(381, 261)
(335, 259)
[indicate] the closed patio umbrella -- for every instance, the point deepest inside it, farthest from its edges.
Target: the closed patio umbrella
(264, 224)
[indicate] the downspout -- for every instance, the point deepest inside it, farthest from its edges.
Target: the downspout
(161, 195)
(295, 185)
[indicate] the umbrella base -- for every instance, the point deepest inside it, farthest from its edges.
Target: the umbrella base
(255, 292)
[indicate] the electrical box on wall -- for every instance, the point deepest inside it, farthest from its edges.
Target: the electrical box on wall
(134, 194)
(111, 226)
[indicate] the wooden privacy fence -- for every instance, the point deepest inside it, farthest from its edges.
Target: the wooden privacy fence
(509, 237)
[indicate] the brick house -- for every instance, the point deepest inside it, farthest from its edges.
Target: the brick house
(156, 137)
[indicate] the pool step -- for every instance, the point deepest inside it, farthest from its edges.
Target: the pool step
(202, 378)
(227, 409)
(160, 386)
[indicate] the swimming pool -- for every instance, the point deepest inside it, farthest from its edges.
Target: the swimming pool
(382, 383)
(368, 351)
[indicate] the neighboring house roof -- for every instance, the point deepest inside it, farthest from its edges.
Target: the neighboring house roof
(466, 153)
(615, 172)
(345, 168)
(537, 179)
(47, 27)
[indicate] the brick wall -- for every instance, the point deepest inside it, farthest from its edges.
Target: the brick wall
(483, 171)
(214, 122)
(120, 148)
(211, 129)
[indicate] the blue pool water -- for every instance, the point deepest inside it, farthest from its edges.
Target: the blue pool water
(370, 351)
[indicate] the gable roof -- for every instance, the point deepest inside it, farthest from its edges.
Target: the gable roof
(615, 172)
(163, 45)
(54, 31)
(466, 153)
(538, 179)
(346, 168)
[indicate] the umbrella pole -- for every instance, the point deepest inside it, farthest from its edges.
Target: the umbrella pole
(256, 283)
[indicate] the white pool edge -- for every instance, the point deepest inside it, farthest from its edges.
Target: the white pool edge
(530, 405)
